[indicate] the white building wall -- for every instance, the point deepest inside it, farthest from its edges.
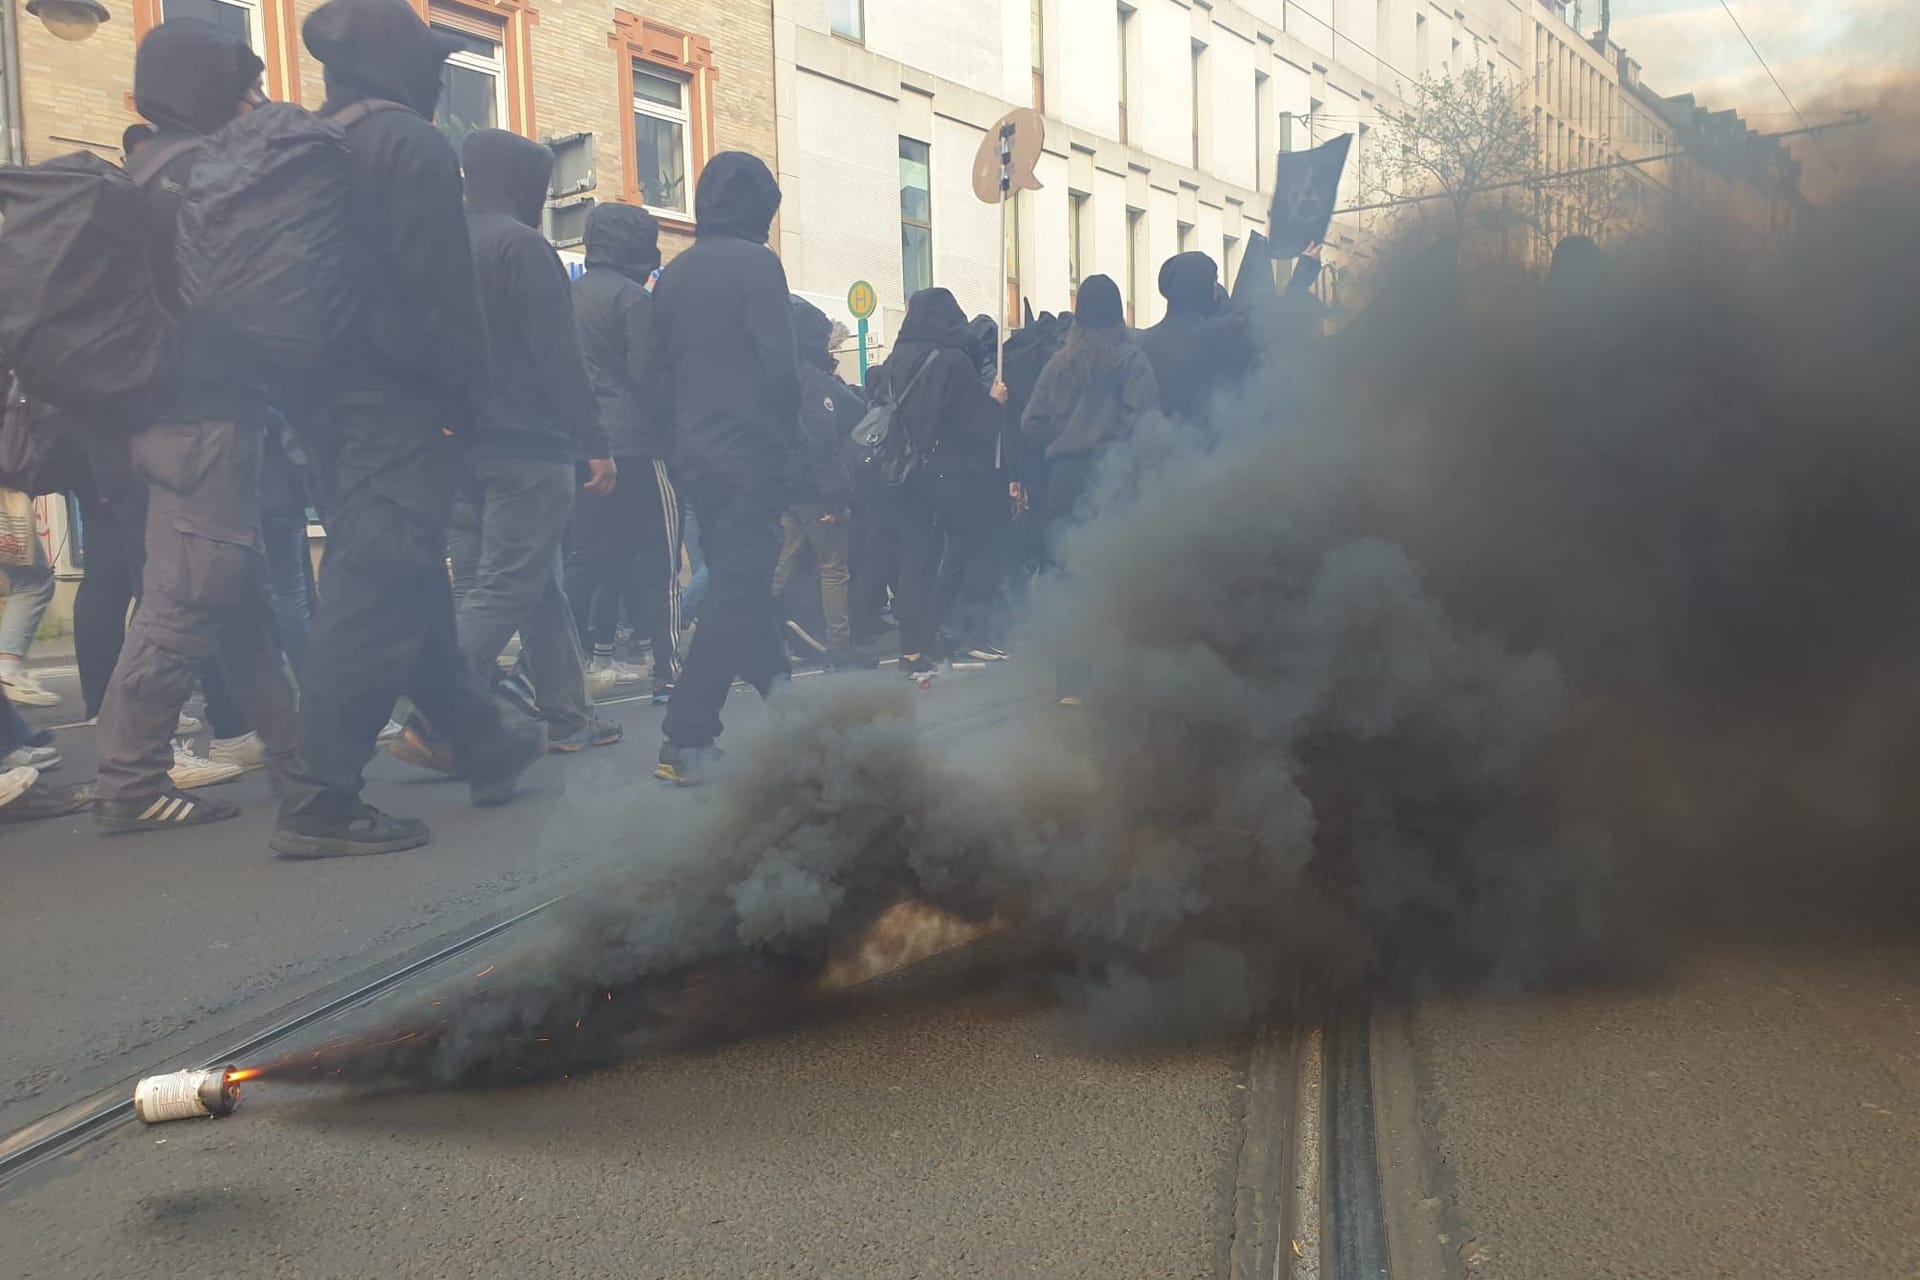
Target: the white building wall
(1163, 114)
(1233, 106)
(1044, 276)
(946, 70)
(1163, 241)
(849, 191)
(1083, 78)
(944, 37)
(1106, 252)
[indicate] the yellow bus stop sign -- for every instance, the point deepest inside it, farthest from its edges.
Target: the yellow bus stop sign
(862, 300)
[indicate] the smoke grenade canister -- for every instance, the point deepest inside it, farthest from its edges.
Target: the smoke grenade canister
(182, 1095)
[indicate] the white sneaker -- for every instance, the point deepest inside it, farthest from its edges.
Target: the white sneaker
(623, 673)
(247, 751)
(15, 783)
(189, 725)
(601, 682)
(190, 771)
(31, 758)
(28, 692)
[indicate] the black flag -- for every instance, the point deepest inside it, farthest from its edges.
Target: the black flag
(1305, 186)
(1256, 270)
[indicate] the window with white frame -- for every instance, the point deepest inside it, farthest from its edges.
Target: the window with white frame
(235, 17)
(916, 216)
(660, 139)
(847, 19)
(473, 88)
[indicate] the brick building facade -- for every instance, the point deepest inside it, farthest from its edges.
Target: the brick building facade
(635, 94)
(645, 85)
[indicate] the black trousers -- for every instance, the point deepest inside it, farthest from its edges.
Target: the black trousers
(627, 546)
(947, 552)
(739, 632)
(385, 626)
(113, 522)
(873, 562)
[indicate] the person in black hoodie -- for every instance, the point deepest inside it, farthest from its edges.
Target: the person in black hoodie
(722, 363)
(387, 447)
(626, 543)
(516, 495)
(829, 411)
(954, 420)
(204, 581)
(1199, 348)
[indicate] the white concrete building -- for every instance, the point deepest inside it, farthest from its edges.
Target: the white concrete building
(1163, 121)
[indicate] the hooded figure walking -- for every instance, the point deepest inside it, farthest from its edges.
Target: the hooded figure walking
(204, 590)
(722, 358)
(626, 544)
(538, 417)
(387, 445)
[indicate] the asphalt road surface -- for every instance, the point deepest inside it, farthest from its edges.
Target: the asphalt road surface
(938, 1122)
(1750, 1111)
(1754, 1113)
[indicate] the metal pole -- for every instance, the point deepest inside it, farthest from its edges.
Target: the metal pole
(863, 350)
(1006, 304)
(12, 148)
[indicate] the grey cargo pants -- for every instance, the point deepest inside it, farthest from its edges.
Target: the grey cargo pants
(204, 594)
(508, 523)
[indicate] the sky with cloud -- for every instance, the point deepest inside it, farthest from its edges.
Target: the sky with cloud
(1827, 53)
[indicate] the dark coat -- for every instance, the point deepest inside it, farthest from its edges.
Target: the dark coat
(829, 409)
(188, 80)
(421, 339)
(721, 350)
(950, 417)
(613, 309)
(539, 403)
(1082, 405)
(1196, 351)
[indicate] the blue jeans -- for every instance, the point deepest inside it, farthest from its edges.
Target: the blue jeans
(29, 592)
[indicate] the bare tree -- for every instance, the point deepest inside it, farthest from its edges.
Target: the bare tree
(1461, 138)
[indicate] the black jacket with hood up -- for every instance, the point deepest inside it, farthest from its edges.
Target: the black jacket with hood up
(950, 417)
(1197, 350)
(539, 403)
(721, 352)
(613, 310)
(829, 409)
(421, 341)
(188, 80)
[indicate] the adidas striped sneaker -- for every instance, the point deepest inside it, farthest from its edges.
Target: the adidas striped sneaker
(163, 812)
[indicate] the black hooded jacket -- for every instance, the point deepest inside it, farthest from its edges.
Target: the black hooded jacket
(188, 79)
(829, 408)
(613, 310)
(539, 403)
(1195, 351)
(951, 418)
(422, 339)
(721, 351)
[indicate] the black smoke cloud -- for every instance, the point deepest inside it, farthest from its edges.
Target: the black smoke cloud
(1508, 637)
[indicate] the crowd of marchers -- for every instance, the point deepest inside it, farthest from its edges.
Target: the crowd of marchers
(668, 459)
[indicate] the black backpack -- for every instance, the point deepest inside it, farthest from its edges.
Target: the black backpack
(263, 241)
(882, 442)
(40, 452)
(81, 318)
